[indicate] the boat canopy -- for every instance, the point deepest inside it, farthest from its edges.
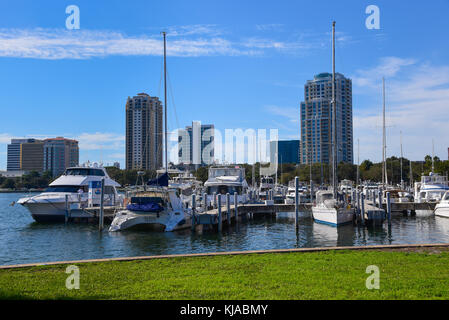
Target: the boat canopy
(161, 181)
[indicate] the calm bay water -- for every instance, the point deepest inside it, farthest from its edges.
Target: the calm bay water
(24, 241)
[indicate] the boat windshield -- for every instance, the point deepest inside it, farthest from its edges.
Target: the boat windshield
(446, 196)
(435, 194)
(223, 189)
(84, 172)
(72, 189)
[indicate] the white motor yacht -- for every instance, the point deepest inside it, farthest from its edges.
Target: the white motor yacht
(51, 205)
(223, 180)
(442, 208)
(430, 190)
(330, 211)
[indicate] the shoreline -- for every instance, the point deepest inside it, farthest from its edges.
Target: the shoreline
(394, 247)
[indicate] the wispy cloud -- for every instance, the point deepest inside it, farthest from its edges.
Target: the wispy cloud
(270, 27)
(101, 141)
(84, 44)
(184, 41)
(417, 103)
(388, 67)
(292, 114)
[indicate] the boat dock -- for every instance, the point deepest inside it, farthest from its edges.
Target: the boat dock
(216, 214)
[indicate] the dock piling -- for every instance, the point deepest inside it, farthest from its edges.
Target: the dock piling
(236, 212)
(220, 222)
(193, 211)
(101, 218)
(388, 208)
(296, 203)
(215, 200)
(362, 211)
(380, 199)
(67, 208)
(228, 208)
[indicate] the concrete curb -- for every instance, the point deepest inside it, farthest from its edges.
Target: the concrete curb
(231, 253)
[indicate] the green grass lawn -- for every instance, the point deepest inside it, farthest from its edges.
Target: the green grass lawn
(312, 275)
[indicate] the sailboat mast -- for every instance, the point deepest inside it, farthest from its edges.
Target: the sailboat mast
(358, 163)
(165, 100)
(401, 161)
(384, 139)
(433, 156)
(334, 118)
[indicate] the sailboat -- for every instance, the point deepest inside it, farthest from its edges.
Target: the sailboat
(329, 209)
(155, 206)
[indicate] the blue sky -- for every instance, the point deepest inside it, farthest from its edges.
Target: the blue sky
(236, 64)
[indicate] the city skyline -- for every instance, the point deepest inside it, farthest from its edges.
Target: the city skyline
(235, 70)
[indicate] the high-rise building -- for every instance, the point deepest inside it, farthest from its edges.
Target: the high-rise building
(316, 120)
(196, 144)
(32, 155)
(13, 157)
(58, 154)
(287, 151)
(144, 132)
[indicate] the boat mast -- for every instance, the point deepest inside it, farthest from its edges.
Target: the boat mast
(402, 180)
(358, 164)
(384, 140)
(334, 118)
(433, 156)
(165, 100)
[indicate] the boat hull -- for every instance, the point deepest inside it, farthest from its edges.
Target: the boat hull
(423, 213)
(333, 217)
(129, 220)
(53, 211)
(442, 210)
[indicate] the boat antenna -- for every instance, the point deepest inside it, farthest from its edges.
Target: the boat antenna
(165, 99)
(334, 120)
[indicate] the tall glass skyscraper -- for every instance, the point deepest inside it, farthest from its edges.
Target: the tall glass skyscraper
(316, 120)
(144, 132)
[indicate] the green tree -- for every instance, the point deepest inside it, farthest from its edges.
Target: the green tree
(9, 184)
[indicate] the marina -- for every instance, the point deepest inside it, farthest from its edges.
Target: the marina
(22, 240)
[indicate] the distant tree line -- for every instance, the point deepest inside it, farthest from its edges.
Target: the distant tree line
(30, 180)
(367, 171)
